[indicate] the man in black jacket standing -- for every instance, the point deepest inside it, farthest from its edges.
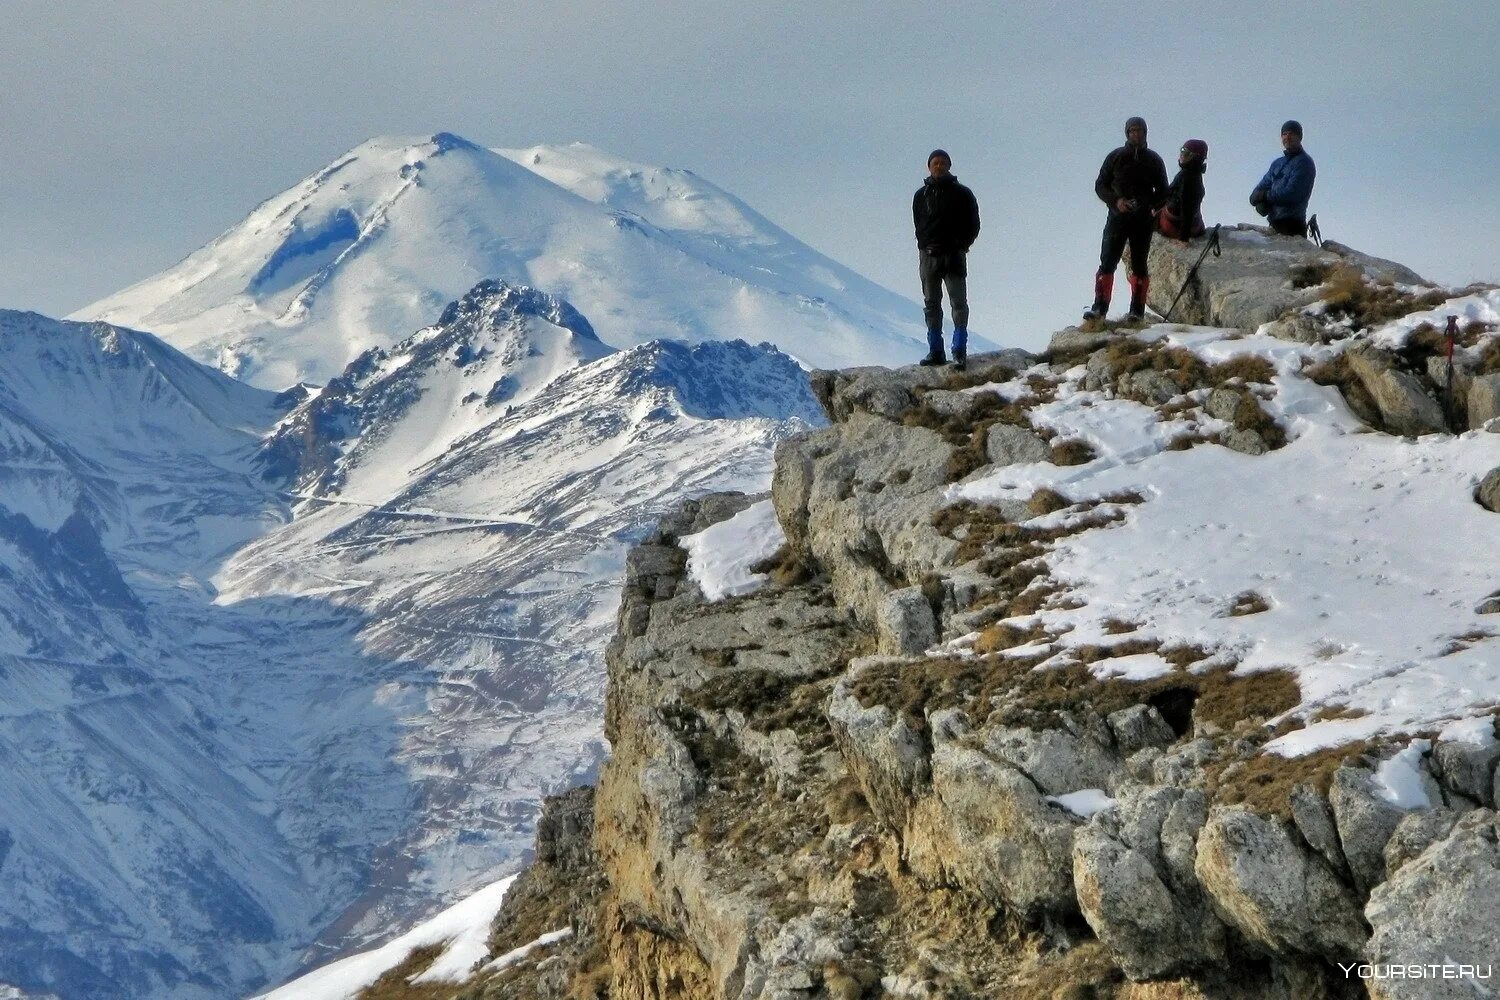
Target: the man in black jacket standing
(946, 216)
(1132, 183)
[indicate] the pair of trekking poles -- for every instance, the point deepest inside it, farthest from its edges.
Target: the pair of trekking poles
(1314, 233)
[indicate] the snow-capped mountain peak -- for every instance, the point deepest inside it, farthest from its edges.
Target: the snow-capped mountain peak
(375, 244)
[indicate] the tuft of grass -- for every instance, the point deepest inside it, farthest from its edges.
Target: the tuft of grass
(786, 567)
(1331, 713)
(1074, 451)
(1310, 275)
(1249, 415)
(1047, 501)
(1248, 603)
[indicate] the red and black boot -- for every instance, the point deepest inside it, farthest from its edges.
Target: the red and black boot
(1139, 287)
(1104, 290)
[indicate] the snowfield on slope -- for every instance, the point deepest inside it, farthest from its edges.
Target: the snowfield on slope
(374, 245)
(1369, 549)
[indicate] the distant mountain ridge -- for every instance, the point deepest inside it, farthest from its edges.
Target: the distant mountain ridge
(374, 245)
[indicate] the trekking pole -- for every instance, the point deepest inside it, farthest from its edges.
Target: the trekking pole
(1452, 335)
(1213, 244)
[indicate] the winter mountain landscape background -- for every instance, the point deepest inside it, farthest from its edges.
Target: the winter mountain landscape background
(312, 594)
(286, 665)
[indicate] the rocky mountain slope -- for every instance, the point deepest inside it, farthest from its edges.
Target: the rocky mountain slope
(374, 245)
(1158, 666)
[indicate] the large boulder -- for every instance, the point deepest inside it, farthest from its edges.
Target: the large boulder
(1405, 408)
(1280, 895)
(1484, 400)
(1365, 820)
(1488, 493)
(987, 829)
(1152, 922)
(1440, 910)
(1251, 283)
(1007, 444)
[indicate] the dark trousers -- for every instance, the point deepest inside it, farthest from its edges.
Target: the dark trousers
(952, 270)
(1133, 228)
(1290, 227)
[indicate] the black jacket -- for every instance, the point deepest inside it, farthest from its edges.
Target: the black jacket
(946, 215)
(1134, 173)
(1185, 195)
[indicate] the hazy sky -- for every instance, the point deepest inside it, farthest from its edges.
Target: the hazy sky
(134, 132)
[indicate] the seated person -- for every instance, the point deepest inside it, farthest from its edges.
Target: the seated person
(1181, 217)
(1283, 193)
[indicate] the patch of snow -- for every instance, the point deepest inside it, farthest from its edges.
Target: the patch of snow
(1481, 307)
(720, 557)
(462, 927)
(516, 955)
(1084, 802)
(1479, 731)
(1136, 667)
(1399, 779)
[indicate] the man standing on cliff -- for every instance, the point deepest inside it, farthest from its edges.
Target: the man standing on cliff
(1282, 195)
(1132, 183)
(946, 216)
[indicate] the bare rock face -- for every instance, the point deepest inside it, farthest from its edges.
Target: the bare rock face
(904, 623)
(1135, 892)
(1006, 444)
(1275, 892)
(1483, 400)
(1440, 910)
(1404, 407)
(1251, 283)
(987, 828)
(1365, 823)
(1488, 493)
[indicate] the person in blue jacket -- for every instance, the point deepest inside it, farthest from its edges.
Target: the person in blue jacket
(1282, 195)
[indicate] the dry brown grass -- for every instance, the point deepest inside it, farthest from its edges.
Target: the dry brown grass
(1489, 357)
(1350, 296)
(787, 567)
(1003, 635)
(1047, 501)
(1248, 603)
(1265, 782)
(1074, 451)
(1228, 699)
(978, 375)
(1309, 275)
(1010, 690)
(1249, 415)
(1332, 713)
(393, 985)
